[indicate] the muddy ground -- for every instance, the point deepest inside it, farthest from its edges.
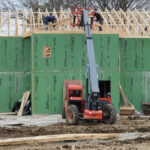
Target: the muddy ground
(125, 125)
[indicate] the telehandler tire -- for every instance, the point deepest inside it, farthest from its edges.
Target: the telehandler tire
(63, 111)
(72, 115)
(109, 114)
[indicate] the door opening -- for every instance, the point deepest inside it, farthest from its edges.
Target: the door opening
(105, 88)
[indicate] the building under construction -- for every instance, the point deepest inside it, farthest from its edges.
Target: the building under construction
(39, 58)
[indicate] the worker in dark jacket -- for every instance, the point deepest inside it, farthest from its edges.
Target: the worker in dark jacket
(99, 19)
(48, 19)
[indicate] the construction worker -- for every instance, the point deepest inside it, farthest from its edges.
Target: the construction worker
(49, 19)
(99, 19)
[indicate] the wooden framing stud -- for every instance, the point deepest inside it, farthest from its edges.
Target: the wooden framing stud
(16, 23)
(9, 23)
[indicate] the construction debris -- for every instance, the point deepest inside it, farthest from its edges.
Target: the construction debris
(127, 111)
(8, 113)
(56, 138)
(23, 102)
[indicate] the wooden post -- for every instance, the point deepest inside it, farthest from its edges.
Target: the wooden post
(31, 21)
(34, 25)
(24, 23)
(41, 20)
(68, 13)
(68, 17)
(38, 19)
(60, 15)
(55, 14)
(108, 21)
(16, 23)
(47, 13)
(9, 23)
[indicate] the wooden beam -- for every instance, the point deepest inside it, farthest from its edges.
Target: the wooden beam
(24, 22)
(56, 138)
(8, 113)
(9, 23)
(55, 14)
(23, 102)
(47, 13)
(127, 111)
(63, 14)
(38, 18)
(69, 18)
(60, 15)
(16, 23)
(31, 21)
(34, 25)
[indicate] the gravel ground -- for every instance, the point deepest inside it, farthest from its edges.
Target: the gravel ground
(134, 133)
(32, 120)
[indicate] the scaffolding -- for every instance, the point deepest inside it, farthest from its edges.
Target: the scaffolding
(133, 23)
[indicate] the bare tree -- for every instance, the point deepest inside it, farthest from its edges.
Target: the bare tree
(34, 4)
(43, 4)
(77, 3)
(10, 5)
(117, 4)
(50, 4)
(102, 4)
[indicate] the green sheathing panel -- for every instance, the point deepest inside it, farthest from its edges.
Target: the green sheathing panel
(135, 54)
(106, 52)
(136, 86)
(12, 86)
(135, 70)
(48, 90)
(68, 61)
(15, 54)
(15, 70)
(68, 51)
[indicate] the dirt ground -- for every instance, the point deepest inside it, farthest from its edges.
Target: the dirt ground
(128, 126)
